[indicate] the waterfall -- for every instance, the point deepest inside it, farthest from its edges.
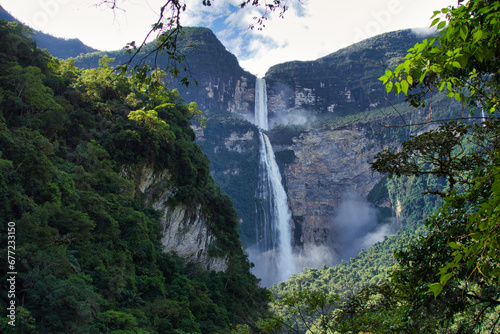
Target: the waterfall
(274, 260)
(261, 104)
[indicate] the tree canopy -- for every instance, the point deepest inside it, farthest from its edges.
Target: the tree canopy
(89, 255)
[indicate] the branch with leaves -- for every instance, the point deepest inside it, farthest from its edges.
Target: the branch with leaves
(168, 28)
(462, 59)
(449, 151)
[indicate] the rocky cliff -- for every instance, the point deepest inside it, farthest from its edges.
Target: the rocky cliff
(222, 85)
(184, 230)
(342, 83)
(328, 165)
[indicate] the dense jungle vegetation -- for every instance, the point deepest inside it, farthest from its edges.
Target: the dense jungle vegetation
(88, 252)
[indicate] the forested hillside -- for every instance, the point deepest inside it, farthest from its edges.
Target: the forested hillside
(87, 253)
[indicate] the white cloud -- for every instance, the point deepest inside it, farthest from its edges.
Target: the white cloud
(309, 30)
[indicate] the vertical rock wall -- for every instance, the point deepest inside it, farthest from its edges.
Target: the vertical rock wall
(184, 230)
(328, 165)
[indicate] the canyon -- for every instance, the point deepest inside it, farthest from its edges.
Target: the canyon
(327, 120)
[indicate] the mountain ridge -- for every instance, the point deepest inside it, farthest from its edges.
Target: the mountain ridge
(58, 47)
(225, 92)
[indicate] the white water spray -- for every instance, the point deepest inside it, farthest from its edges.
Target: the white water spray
(274, 260)
(261, 104)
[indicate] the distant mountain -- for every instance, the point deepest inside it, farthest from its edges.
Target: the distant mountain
(343, 82)
(58, 47)
(5, 15)
(222, 84)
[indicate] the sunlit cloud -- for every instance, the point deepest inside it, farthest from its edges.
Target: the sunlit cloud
(310, 28)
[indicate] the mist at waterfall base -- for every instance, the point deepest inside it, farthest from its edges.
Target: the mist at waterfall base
(355, 227)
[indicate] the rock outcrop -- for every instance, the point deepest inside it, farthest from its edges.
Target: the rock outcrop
(328, 165)
(184, 230)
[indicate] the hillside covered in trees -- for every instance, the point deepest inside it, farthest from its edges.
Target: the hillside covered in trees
(87, 249)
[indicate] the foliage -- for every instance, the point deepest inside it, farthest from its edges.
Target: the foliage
(88, 251)
(460, 243)
(461, 58)
(446, 275)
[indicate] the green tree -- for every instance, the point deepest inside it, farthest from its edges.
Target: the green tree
(149, 119)
(303, 311)
(451, 272)
(462, 59)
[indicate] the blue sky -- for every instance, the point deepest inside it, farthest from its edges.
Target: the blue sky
(309, 30)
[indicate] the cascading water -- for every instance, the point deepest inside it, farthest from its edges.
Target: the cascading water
(261, 104)
(274, 260)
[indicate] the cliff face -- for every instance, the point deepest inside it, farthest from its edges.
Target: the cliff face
(328, 166)
(234, 94)
(232, 146)
(184, 230)
(186, 233)
(342, 83)
(222, 85)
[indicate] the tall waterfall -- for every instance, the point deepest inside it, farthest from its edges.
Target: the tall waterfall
(274, 260)
(261, 104)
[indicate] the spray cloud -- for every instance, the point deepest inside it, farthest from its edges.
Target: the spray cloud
(356, 227)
